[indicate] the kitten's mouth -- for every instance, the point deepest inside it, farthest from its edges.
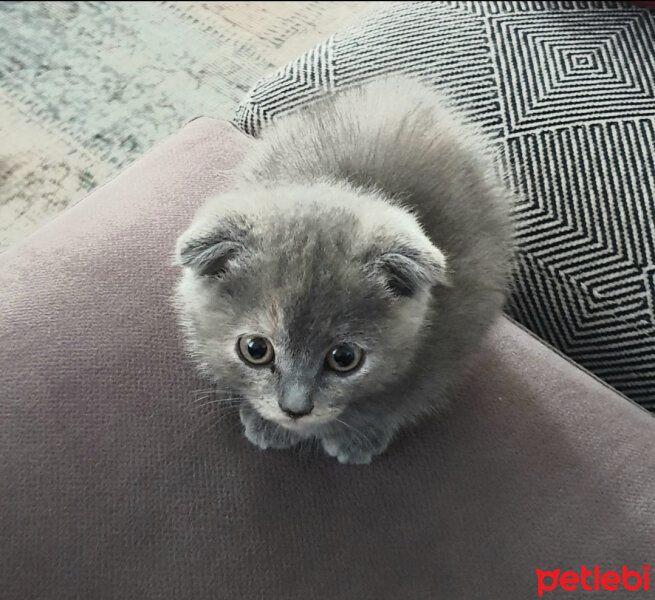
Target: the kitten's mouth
(316, 418)
(300, 423)
(305, 422)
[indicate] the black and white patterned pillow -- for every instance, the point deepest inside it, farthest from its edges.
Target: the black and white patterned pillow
(566, 90)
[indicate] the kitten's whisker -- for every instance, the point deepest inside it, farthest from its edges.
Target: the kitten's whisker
(228, 402)
(209, 389)
(201, 398)
(221, 418)
(368, 441)
(222, 395)
(222, 398)
(214, 393)
(205, 427)
(200, 392)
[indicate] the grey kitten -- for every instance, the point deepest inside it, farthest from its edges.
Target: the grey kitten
(342, 284)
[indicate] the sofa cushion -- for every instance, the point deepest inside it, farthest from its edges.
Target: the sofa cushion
(566, 93)
(117, 482)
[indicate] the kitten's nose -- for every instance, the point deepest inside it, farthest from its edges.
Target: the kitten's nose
(296, 401)
(296, 414)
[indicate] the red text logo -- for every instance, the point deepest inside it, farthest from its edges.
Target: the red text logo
(592, 580)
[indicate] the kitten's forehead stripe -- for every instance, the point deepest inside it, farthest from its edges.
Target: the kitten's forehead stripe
(313, 279)
(275, 316)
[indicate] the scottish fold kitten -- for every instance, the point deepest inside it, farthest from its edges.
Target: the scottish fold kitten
(340, 287)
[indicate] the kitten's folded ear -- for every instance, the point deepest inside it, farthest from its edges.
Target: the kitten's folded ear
(210, 254)
(408, 270)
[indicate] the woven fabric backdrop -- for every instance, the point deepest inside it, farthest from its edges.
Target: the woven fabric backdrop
(87, 87)
(565, 90)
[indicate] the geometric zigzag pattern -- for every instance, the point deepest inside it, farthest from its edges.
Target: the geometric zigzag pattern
(566, 93)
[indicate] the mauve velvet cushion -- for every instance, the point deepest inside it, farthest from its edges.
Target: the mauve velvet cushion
(114, 486)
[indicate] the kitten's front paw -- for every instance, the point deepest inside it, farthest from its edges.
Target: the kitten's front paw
(263, 433)
(356, 449)
(349, 456)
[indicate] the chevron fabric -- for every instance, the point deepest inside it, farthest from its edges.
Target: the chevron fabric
(565, 91)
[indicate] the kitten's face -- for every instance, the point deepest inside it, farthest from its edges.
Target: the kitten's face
(302, 311)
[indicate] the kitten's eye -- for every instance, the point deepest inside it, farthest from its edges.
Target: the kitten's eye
(344, 357)
(256, 350)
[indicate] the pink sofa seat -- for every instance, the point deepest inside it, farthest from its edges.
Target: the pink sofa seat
(113, 484)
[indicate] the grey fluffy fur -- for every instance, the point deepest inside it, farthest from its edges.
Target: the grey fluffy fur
(372, 217)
